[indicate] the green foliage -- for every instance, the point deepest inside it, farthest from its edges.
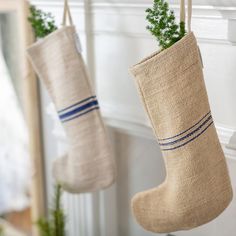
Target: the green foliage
(1, 231)
(55, 224)
(162, 24)
(43, 23)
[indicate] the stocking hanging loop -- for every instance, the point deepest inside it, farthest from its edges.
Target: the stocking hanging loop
(66, 14)
(182, 13)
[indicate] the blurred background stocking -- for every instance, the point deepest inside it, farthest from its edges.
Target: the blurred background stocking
(89, 165)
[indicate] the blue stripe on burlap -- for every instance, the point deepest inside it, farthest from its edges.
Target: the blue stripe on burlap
(76, 104)
(163, 139)
(187, 135)
(183, 144)
(75, 111)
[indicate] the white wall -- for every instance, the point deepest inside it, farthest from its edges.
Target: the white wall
(114, 37)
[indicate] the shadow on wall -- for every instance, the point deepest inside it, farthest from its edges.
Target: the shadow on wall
(140, 167)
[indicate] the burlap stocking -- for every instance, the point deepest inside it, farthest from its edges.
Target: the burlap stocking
(197, 187)
(89, 165)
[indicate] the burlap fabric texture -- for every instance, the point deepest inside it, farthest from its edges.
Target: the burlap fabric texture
(197, 187)
(89, 165)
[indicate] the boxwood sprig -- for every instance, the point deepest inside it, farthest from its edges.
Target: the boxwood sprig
(162, 24)
(42, 23)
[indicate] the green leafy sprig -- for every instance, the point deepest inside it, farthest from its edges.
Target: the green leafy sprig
(42, 23)
(162, 24)
(1, 231)
(55, 224)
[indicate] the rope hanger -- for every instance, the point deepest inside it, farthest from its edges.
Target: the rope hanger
(182, 13)
(66, 14)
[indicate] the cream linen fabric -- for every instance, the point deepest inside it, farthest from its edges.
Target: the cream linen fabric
(89, 165)
(197, 187)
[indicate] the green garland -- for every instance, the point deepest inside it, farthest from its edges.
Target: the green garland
(163, 24)
(55, 224)
(42, 23)
(1, 231)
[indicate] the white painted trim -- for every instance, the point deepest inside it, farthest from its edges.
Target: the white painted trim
(130, 128)
(118, 112)
(202, 11)
(50, 3)
(225, 136)
(76, 3)
(217, 18)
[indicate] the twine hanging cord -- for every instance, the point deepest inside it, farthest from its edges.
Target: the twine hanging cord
(66, 14)
(182, 13)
